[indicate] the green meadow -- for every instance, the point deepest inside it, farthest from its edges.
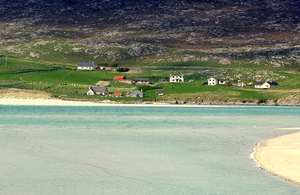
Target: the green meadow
(62, 79)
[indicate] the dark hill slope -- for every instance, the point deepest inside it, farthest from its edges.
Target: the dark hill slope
(112, 30)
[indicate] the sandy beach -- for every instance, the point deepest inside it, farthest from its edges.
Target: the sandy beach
(58, 102)
(44, 102)
(281, 155)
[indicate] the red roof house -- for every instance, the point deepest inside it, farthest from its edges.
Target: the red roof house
(118, 94)
(118, 78)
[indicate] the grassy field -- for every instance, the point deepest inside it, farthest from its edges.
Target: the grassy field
(64, 80)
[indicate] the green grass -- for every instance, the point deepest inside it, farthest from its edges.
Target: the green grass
(58, 79)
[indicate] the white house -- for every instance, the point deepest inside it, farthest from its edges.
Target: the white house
(176, 78)
(265, 85)
(86, 66)
(216, 80)
(97, 90)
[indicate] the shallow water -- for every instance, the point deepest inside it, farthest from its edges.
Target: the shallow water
(138, 150)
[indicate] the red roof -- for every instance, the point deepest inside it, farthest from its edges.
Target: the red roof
(118, 94)
(119, 77)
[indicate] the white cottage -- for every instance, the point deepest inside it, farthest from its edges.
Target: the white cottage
(216, 80)
(265, 85)
(176, 78)
(86, 66)
(97, 90)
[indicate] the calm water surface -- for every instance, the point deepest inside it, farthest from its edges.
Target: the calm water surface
(138, 150)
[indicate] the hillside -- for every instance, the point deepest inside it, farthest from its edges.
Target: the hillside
(145, 33)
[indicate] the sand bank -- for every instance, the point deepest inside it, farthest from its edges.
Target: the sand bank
(43, 102)
(58, 102)
(281, 155)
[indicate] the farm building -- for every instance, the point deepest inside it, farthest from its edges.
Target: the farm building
(216, 80)
(86, 66)
(97, 91)
(141, 81)
(265, 85)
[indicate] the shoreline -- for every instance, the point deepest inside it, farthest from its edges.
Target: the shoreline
(40, 101)
(280, 156)
(24, 97)
(61, 102)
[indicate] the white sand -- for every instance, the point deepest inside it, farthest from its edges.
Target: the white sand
(281, 155)
(58, 102)
(44, 102)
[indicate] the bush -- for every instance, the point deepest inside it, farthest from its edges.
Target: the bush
(114, 65)
(122, 69)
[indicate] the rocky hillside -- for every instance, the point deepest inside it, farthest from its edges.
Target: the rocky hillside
(258, 31)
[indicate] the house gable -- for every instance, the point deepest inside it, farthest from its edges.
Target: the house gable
(216, 80)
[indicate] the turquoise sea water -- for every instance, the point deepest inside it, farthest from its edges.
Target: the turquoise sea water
(139, 150)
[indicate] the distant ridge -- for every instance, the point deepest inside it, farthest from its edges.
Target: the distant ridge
(117, 30)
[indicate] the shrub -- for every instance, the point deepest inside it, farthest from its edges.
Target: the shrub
(122, 69)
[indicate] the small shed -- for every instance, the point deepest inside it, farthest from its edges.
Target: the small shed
(118, 94)
(159, 91)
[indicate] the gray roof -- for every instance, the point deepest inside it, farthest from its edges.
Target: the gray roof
(269, 82)
(98, 89)
(218, 78)
(159, 90)
(86, 64)
(273, 83)
(259, 83)
(141, 79)
(135, 94)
